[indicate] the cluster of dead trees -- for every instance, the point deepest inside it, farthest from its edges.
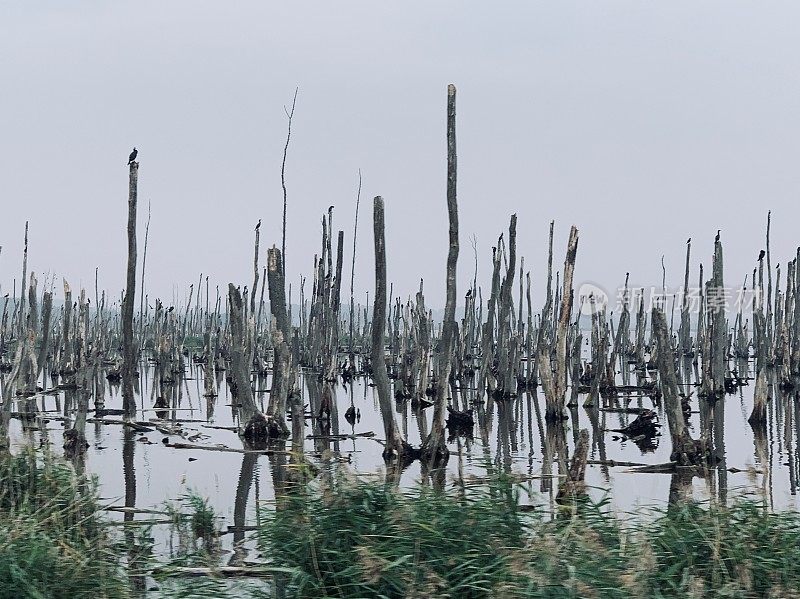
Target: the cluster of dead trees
(498, 347)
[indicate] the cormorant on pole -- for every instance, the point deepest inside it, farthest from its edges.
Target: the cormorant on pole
(133, 155)
(716, 239)
(761, 255)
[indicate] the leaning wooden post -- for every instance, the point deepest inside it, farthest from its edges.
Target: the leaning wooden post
(130, 352)
(395, 446)
(434, 448)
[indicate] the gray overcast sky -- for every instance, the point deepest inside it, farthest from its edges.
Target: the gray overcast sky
(642, 123)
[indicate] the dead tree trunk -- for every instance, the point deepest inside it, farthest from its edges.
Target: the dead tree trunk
(504, 363)
(353, 272)
(554, 379)
(130, 352)
(47, 310)
(396, 447)
(252, 424)
(281, 377)
(685, 450)
(434, 448)
(289, 116)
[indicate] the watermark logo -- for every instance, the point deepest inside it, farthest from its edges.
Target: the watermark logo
(591, 298)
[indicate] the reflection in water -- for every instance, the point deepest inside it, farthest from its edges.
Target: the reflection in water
(512, 437)
(249, 461)
(137, 580)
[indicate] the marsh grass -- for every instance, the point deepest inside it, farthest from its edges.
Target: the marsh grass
(364, 539)
(52, 541)
(369, 540)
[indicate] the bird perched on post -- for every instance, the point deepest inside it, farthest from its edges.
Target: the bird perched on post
(716, 239)
(761, 255)
(133, 155)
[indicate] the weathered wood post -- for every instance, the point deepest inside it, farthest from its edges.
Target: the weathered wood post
(434, 448)
(130, 353)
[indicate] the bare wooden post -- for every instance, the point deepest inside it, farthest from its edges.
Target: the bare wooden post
(434, 448)
(130, 353)
(395, 445)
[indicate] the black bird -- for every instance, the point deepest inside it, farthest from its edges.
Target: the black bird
(761, 255)
(716, 239)
(133, 156)
(258, 225)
